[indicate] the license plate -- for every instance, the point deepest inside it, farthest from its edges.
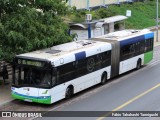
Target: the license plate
(28, 100)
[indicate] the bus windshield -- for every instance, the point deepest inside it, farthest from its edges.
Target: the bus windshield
(33, 77)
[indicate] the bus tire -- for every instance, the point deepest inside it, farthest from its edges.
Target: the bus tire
(104, 78)
(139, 64)
(69, 92)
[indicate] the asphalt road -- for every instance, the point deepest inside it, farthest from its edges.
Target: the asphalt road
(133, 91)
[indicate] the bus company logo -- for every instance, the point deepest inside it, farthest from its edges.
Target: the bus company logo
(90, 64)
(21, 114)
(6, 114)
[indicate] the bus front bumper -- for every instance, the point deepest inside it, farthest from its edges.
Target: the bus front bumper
(39, 99)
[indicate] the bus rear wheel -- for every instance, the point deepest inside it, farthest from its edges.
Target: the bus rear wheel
(104, 78)
(69, 92)
(139, 64)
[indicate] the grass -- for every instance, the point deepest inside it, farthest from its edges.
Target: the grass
(143, 14)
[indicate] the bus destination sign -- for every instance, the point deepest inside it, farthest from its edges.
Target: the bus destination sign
(29, 62)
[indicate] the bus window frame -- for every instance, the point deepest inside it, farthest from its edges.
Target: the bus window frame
(17, 66)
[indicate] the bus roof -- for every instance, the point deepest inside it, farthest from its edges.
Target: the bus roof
(124, 34)
(65, 53)
(72, 51)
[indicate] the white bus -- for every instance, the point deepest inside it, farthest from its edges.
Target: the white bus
(49, 75)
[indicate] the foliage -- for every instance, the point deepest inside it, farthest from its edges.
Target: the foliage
(143, 14)
(27, 25)
(104, 13)
(76, 15)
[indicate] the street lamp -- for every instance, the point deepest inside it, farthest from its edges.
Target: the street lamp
(157, 20)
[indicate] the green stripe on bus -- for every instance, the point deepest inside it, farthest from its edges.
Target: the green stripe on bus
(44, 100)
(148, 57)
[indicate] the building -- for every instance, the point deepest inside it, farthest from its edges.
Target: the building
(97, 28)
(87, 4)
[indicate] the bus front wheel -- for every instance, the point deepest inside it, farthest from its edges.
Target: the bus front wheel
(104, 78)
(69, 92)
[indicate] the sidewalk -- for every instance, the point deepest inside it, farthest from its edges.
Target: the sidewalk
(5, 90)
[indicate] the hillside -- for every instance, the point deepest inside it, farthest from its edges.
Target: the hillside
(143, 14)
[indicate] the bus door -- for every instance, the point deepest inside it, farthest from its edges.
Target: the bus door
(30, 79)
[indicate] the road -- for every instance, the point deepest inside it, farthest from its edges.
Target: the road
(133, 91)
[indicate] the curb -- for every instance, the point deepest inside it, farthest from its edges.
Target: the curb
(5, 103)
(157, 45)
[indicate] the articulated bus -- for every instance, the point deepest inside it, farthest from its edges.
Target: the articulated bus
(49, 75)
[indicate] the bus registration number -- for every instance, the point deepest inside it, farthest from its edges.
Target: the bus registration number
(27, 100)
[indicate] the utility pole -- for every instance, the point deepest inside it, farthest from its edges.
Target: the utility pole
(103, 3)
(157, 20)
(88, 20)
(70, 3)
(88, 4)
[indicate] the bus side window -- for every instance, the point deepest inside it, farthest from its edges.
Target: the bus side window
(132, 50)
(91, 64)
(106, 58)
(58, 78)
(148, 44)
(53, 80)
(142, 47)
(125, 52)
(137, 47)
(81, 67)
(145, 48)
(54, 76)
(98, 61)
(151, 43)
(65, 73)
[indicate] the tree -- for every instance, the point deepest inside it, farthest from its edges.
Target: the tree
(27, 25)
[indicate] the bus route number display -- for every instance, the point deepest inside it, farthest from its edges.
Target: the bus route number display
(28, 62)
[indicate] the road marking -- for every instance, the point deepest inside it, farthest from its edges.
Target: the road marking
(128, 102)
